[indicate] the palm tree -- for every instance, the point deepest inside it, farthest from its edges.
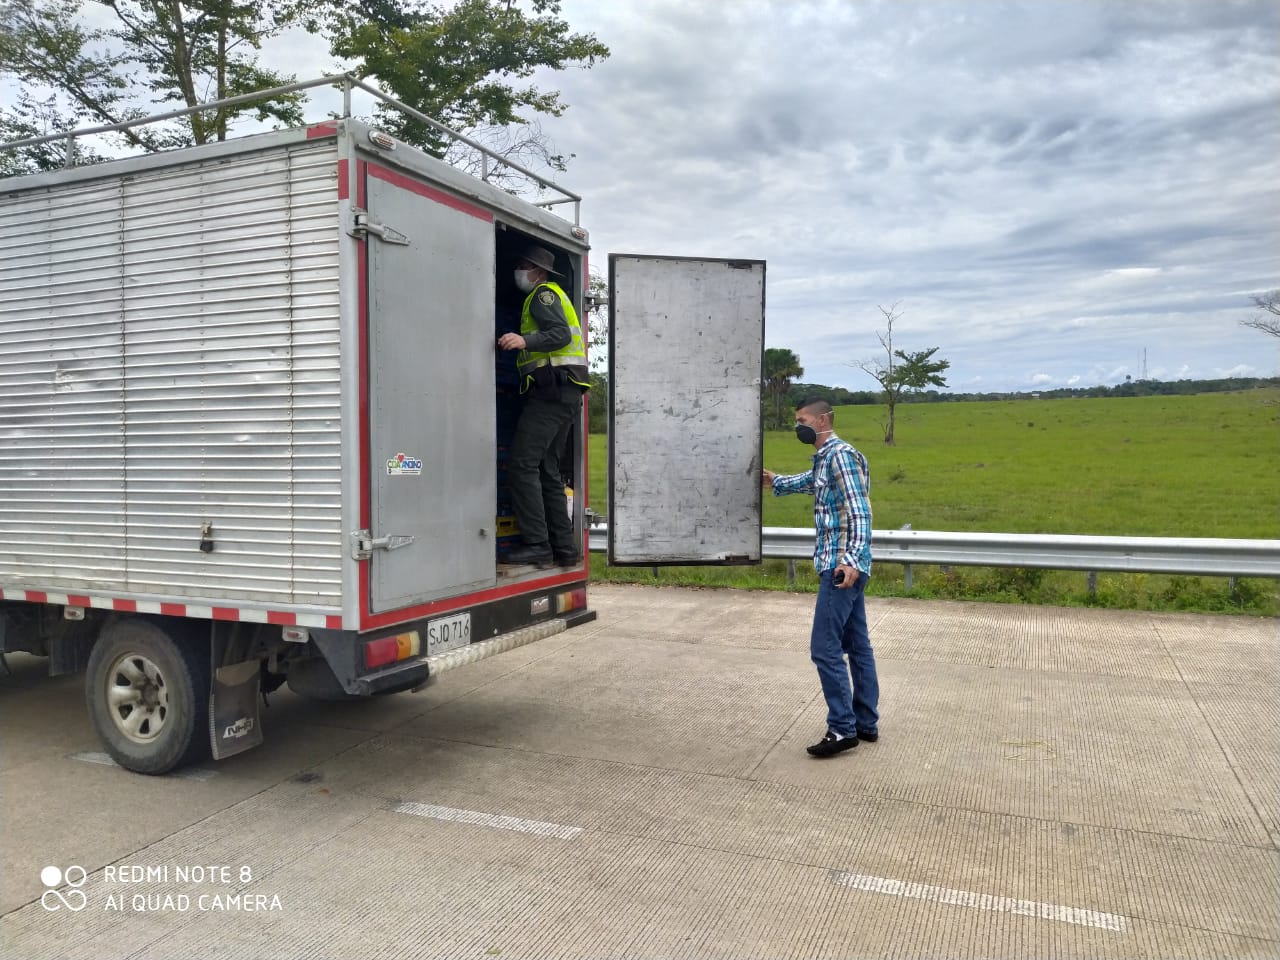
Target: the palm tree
(780, 368)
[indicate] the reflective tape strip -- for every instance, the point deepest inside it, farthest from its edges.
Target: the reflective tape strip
(167, 608)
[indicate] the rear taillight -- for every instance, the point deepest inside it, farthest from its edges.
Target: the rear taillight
(380, 652)
(571, 600)
(402, 646)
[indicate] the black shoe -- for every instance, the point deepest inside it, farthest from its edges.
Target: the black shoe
(829, 746)
(535, 553)
(566, 559)
(871, 737)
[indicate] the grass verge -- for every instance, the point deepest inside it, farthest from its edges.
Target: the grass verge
(1251, 596)
(1179, 466)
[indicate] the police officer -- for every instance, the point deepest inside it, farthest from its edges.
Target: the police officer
(552, 367)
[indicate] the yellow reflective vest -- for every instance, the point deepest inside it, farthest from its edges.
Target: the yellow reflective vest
(572, 354)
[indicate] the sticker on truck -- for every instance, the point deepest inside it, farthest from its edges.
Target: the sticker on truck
(403, 466)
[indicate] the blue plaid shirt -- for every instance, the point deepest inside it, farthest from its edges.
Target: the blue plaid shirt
(841, 485)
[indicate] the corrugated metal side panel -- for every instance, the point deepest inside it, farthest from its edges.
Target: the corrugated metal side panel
(214, 293)
(61, 389)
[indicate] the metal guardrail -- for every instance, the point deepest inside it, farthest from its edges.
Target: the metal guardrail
(1184, 555)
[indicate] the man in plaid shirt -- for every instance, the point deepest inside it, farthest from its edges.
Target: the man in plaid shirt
(840, 485)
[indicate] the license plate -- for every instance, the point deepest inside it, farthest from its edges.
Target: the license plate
(448, 633)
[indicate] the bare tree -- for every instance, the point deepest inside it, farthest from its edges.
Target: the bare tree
(1270, 303)
(525, 143)
(900, 372)
(885, 372)
(597, 316)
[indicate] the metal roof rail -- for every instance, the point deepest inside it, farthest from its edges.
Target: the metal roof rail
(347, 82)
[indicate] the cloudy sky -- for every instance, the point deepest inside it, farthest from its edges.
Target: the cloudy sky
(1048, 189)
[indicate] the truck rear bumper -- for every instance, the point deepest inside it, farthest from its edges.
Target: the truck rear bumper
(416, 674)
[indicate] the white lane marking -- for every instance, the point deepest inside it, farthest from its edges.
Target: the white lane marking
(980, 901)
(489, 820)
(106, 761)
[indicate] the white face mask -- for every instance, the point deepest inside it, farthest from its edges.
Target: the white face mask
(524, 280)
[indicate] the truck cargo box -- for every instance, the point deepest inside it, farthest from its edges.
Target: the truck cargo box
(254, 427)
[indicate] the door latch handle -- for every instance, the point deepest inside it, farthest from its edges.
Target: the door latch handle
(393, 542)
(363, 226)
(363, 544)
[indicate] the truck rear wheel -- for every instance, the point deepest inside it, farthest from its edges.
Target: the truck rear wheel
(148, 695)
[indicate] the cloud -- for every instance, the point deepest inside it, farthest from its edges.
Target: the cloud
(1101, 181)
(1239, 370)
(1041, 185)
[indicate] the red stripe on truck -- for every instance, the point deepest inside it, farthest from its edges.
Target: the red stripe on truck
(431, 193)
(285, 618)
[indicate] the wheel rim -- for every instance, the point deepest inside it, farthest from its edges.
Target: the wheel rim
(137, 697)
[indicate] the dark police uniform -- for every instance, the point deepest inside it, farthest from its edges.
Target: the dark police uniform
(553, 378)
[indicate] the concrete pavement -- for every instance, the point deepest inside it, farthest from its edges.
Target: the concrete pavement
(1049, 782)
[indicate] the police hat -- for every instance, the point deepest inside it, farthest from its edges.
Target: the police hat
(541, 257)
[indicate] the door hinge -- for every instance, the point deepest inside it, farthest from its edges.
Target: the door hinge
(363, 545)
(365, 226)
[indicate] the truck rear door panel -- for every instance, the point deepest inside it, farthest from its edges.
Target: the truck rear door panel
(685, 437)
(431, 401)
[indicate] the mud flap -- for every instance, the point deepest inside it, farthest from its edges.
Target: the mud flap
(234, 725)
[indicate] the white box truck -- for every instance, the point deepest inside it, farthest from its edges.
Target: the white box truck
(253, 427)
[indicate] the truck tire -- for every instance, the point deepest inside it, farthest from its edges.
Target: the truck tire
(148, 696)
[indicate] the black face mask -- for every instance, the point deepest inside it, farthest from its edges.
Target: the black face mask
(806, 433)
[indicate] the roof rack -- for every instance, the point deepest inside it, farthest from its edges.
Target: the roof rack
(489, 159)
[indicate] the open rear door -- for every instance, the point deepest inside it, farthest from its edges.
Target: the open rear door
(686, 354)
(431, 397)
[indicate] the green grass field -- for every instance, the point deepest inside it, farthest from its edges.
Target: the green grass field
(1180, 466)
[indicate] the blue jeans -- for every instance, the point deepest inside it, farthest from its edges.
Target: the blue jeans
(840, 629)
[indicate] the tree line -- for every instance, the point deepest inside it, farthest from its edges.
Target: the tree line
(842, 397)
(466, 64)
(839, 396)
